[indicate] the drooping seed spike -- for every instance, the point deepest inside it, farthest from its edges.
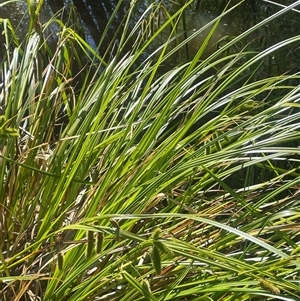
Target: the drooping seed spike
(156, 233)
(100, 238)
(156, 260)
(60, 261)
(269, 286)
(90, 244)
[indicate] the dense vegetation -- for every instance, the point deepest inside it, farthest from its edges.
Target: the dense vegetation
(124, 177)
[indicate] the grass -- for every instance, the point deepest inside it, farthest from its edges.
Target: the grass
(127, 182)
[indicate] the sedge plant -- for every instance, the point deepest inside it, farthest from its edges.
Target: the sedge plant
(125, 180)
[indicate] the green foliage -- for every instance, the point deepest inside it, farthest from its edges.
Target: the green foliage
(6, 132)
(130, 181)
